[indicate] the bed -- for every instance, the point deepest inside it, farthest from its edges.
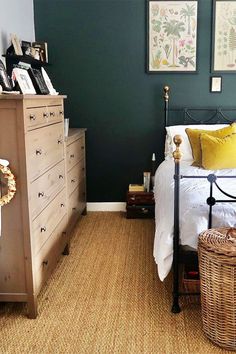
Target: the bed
(188, 200)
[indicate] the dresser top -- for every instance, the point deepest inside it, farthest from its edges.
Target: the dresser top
(74, 134)
(27, 97)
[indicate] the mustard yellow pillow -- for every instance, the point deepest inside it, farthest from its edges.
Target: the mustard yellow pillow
(218, 153)
(194, 139)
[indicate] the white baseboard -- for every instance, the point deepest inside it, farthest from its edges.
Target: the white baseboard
(106, 206)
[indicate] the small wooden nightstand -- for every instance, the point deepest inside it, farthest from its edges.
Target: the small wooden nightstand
(140, 205)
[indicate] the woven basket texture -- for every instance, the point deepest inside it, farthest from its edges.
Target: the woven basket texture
(217, 265)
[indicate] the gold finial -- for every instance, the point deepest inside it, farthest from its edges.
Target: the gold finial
(166, 93)
(177, 154)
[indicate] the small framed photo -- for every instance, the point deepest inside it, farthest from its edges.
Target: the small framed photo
(38, 81)
(16, 44)
(216, 84)
(48, 83)
(24, 81)
(25, 46)
(4, 79)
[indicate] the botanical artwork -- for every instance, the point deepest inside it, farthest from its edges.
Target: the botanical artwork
(172, 36)
(224, 57)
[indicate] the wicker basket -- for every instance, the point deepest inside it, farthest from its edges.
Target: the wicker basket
(217, 265)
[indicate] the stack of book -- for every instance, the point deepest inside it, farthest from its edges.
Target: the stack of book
(136, 188)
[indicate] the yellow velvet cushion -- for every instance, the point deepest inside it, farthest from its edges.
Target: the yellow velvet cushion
(194, 138)
(218, 153)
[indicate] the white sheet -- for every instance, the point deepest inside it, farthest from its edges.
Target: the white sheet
(193, 209)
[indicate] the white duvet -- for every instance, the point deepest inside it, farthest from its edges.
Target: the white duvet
(193, 209)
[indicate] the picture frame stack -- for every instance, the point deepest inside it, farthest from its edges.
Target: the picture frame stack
(24, 71)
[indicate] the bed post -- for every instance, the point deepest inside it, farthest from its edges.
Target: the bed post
(166, 99)
(177, 157)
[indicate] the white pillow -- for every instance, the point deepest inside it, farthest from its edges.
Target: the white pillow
(185, 147)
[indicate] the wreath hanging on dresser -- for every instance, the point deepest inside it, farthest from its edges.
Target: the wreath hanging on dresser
(11, 184)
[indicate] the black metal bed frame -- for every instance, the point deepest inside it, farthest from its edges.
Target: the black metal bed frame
(217, 115)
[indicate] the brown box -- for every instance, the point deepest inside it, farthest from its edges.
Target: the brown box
(140, 198)
(140, 205)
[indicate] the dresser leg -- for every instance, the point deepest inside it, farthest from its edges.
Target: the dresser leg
(32, 307)
(84, 212)
(66, 251)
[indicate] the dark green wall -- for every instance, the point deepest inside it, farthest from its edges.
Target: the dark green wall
(98, 50)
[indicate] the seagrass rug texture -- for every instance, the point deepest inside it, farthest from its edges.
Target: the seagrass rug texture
(105, 297)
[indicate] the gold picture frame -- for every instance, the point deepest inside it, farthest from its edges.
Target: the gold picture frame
(16, 44)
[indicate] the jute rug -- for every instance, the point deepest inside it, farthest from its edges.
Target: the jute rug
(105, 297)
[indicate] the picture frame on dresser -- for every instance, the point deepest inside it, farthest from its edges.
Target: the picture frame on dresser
(48, 83)
(24, 81)
(4, 79)
(172, 36)
(38, 81)
(223, 37)
(16, 44)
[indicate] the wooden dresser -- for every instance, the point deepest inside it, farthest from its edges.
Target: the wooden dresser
(75, 175)
(35, 223)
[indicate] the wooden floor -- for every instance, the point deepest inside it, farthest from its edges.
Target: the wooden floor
(105, 297)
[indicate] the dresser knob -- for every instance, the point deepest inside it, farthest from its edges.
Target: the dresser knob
(59, 141)
(45, 263)
(61, 113)
(52, 114)
(43, 229)
(39, 152)
(73, 181)
(72, 156)
(41, 194)
(74, 209)
(61, 176)
(45, 114)
(62, 205)
(83, 169)
(32, 116)
(82, 147)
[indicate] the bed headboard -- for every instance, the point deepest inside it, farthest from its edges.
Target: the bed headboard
(196, 115)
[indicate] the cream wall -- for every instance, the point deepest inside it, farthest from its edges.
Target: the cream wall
(16, 16)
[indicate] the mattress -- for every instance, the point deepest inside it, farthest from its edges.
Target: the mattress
(194, 210)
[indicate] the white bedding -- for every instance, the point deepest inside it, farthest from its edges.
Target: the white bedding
(193, 209)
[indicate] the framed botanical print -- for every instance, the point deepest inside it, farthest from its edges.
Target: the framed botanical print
(172, 36)
(224, 36)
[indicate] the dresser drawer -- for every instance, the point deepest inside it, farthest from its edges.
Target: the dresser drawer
(75, 175)
(45, 188)
(45, 223)
(47, 258)
(75, 152)
(40, 116)
(77, 200)
(35, 117)
(44, 149)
